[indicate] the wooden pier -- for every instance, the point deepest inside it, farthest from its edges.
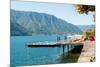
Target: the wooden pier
(44, 45)
(56, 44)
(53, 44)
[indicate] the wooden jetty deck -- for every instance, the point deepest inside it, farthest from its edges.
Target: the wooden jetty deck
(44, 45)
(53, 44)
(88, 52)
(56, 44)
(69, 44)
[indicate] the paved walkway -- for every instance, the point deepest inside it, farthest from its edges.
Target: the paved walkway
(88, 52)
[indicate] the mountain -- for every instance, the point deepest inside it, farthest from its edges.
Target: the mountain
(30, 23)
(85, 27)
(17, 30)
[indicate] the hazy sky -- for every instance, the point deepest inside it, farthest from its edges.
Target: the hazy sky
(64, 11)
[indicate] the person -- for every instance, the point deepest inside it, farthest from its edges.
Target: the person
(91, 38)
(58, 38)
(65, 38)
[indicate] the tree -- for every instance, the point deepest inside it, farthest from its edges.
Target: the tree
(85, 9)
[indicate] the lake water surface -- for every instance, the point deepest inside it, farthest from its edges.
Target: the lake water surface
(23, 55)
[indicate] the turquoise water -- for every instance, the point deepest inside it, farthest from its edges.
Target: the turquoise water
(21, 55)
